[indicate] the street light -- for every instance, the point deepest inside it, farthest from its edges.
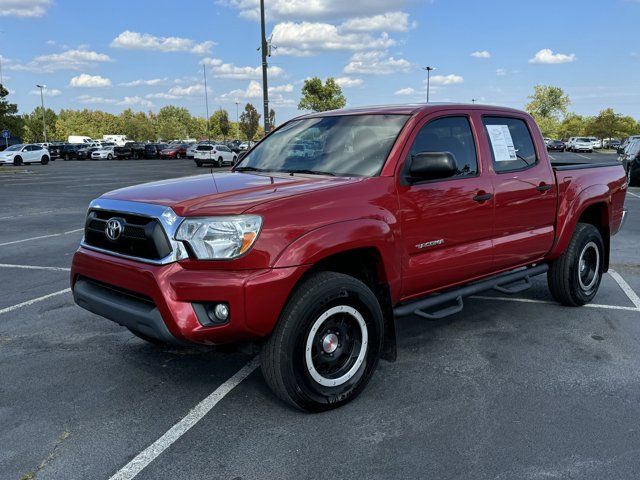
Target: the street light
(44, 124)
(429, 70)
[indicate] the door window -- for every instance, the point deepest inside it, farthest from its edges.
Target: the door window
(511, 143)
(449, 134)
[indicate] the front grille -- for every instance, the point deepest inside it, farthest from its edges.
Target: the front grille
(141, 237)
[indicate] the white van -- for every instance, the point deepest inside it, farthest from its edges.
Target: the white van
(119, 140)
(79, 139)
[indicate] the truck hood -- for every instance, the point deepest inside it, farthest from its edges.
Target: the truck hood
(224, 193)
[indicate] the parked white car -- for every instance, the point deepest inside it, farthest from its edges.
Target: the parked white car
(103, 154)
(595, 143)
(580, 144)
(219, 155)
(25, 153)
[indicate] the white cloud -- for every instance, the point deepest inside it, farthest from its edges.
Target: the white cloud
(347, 82)
(388, 22)
(307, 39)
(446, 79)
(376, 63)
(501, 72)
(48, 92)
(288, 88)
(481, 54)
(74, 59)
(229, 70)
(313, 9)
(406, 91)
(188, 91)
(135, 101)
(24, 8)
(546, 56)
(145, 41)
(139, 83)
(254, 91)
(89, 81)
(90, 100)
(162, 96)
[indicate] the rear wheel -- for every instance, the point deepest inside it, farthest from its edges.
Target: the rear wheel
(198, 164)
(17, 161)
(326, 344)
(219, 162)
(109, 157)
(67, 157)
(575, 277)
(178, 156)
(44, 160)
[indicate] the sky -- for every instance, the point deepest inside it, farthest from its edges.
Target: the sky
(145, 54)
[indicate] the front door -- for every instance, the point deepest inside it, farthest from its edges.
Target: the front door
(447, 224)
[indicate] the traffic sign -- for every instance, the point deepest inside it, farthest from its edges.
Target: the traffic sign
(5, 133)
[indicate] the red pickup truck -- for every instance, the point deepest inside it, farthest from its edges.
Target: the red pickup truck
(336, 224)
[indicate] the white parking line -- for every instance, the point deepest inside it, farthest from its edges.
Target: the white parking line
(546, 302)
(144, 458)
(626, 288)
(32, 301)
(583, 156)
(633, 194)
(41, 236)
(34, 267)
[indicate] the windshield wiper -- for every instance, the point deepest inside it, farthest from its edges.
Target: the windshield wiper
(248, 169)
(310, 172)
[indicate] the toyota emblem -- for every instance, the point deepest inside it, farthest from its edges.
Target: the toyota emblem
(113, 229)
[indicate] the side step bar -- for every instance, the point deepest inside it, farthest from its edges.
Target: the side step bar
(512, 282)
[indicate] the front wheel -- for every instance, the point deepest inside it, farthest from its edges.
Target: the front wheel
(198, 164)
(575, 277)
(17, 161)
(178, 157)
(44, 160)
(326, 344)
(109, 157)
(219, 162)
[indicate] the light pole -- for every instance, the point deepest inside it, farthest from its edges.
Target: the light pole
(206, 99)
(429, 70)
(265, 88)
(44, 124)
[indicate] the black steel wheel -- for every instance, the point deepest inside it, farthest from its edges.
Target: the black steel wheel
(17, 160)
(44, 160)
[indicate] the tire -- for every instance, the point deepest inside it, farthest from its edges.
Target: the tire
(575, 277)
(219, 163)
(109, 157)
(324, 308)
(67, 157)
(151, 340)
(178, 157)
(199, 164)
(17, 161)
(235, 159)
(44, 160)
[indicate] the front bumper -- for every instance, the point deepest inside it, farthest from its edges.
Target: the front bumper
(161, 301)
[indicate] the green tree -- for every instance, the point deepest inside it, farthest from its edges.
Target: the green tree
(32, 130)
(319, 98)
(220, 124)
(249, 122)
(271, 121)
(9, 118)
(608, 124)
(572, 125)
(548, 102)
(173, 122)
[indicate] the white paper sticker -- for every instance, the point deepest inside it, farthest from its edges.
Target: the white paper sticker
(502, 143)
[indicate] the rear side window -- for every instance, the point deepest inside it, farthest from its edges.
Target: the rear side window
(449, 134)
(511, 143)
(204, 148)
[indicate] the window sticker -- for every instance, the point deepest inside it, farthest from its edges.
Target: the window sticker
(502, 143)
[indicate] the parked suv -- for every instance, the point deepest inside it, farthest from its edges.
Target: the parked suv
(630, 158)
(219, 155)
(399, 211)
(580, 144)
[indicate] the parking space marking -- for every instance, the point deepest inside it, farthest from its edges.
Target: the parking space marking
(33, 300)
(41, 237)
(626, 288)
(583, 156)
(144, 458)
(35, 267)
(546, 302)
(633, 194)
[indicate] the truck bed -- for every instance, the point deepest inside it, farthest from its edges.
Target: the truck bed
(561, 166)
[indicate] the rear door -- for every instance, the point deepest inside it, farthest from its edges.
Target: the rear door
(447, 224)
(524, 188)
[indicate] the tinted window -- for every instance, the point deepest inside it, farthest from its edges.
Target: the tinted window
(449, 134)
(204, 148)
(511, 143)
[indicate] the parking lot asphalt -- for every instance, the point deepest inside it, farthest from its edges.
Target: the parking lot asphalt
(510, 388)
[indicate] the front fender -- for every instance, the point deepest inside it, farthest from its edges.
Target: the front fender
(339, 237)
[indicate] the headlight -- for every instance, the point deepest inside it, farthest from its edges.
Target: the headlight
(217, 238)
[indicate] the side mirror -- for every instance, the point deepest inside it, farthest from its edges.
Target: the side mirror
(432, 166)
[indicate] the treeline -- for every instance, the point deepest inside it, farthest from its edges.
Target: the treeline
(169, 123)
(549, 106)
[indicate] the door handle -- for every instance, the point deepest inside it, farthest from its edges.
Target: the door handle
(482, 197)
(543, 187)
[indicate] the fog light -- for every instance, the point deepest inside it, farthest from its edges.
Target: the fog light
(221, 311)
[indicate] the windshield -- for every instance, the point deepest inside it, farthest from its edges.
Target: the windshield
(204, 148)
(348, 145)
(14, 148)
(582, 139)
